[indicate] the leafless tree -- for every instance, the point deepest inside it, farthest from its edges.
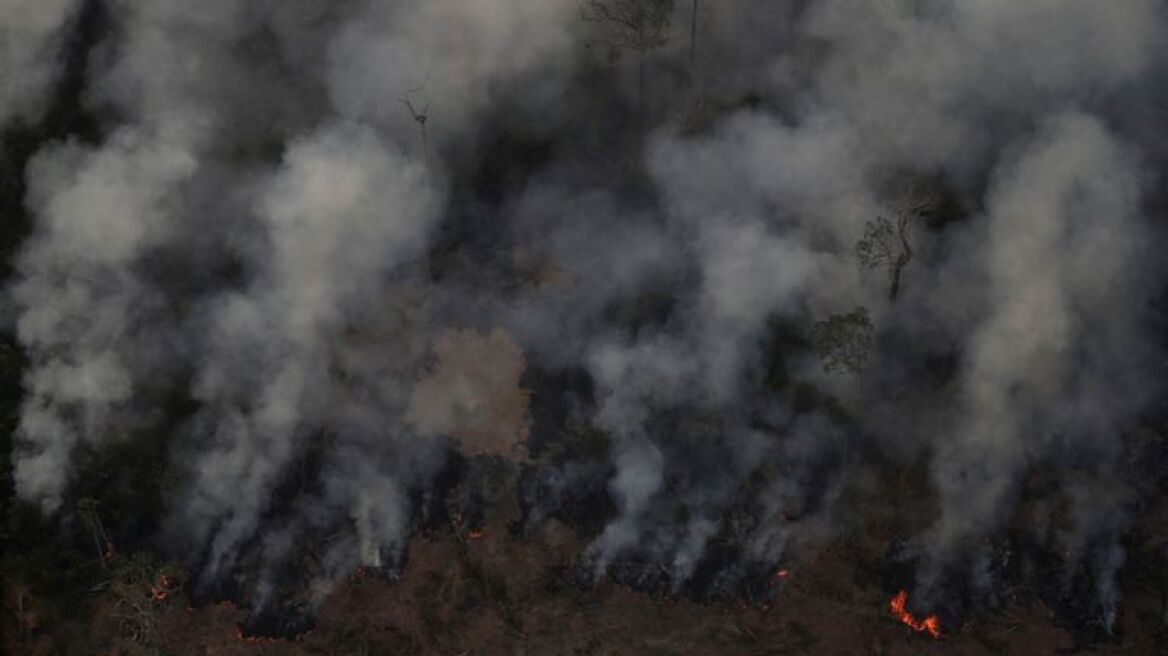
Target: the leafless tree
(420, 118)
(637, 25)
(886, 242)
(693, 34)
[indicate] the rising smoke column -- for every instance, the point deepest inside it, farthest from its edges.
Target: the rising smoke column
(233, 231)
(32, 37)
(255, 224)
(1057, 371)
(272, 377)
(1056, 374)
(89, 323)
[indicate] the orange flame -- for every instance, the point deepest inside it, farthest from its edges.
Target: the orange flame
(899, 607)
(783, 574)
(474, 533)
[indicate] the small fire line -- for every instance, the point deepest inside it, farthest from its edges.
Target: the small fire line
(899, 608)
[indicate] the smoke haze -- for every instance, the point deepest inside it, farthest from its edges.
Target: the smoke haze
(330, 249)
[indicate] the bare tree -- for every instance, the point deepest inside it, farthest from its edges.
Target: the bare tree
(420, 118)
(886, 242)
(637, 25)
(693, 34)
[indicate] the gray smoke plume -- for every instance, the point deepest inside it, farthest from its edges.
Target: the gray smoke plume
(304, 219)
(342, 213)
(31, 39)
(1057, 368)
(87, 318)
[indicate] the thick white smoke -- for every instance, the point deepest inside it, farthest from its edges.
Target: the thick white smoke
(87, 318)
(267, 230)
(1056, 368)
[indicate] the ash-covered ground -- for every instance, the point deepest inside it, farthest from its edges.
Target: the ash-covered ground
(583, 326)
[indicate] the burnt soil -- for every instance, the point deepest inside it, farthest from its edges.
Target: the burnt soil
(512, 591)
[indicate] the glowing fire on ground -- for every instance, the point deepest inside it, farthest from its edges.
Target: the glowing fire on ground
(783, 574)
(251, 639)
(161, 590)
(474, 533)
(899, 607)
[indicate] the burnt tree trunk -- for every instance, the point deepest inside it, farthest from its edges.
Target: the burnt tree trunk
(902, 259)
(693, 34)
(641, 82)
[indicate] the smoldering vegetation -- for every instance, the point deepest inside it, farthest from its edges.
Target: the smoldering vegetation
(681, 275)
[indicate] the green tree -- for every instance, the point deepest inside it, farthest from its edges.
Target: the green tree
(843, 341)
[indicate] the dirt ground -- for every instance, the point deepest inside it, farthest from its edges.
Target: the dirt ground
(507, 594)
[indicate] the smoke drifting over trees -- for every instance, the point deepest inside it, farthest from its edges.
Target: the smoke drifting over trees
(258, 259)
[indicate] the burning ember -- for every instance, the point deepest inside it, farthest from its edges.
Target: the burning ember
(239, 635)
(162, 589)
(783, 574)
(899, 607)
(474, 533)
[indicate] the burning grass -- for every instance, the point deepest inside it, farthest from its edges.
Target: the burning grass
(518, 592)
(899, 607)
(517, 589)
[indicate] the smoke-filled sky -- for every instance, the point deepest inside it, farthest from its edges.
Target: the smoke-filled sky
(267, 231)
